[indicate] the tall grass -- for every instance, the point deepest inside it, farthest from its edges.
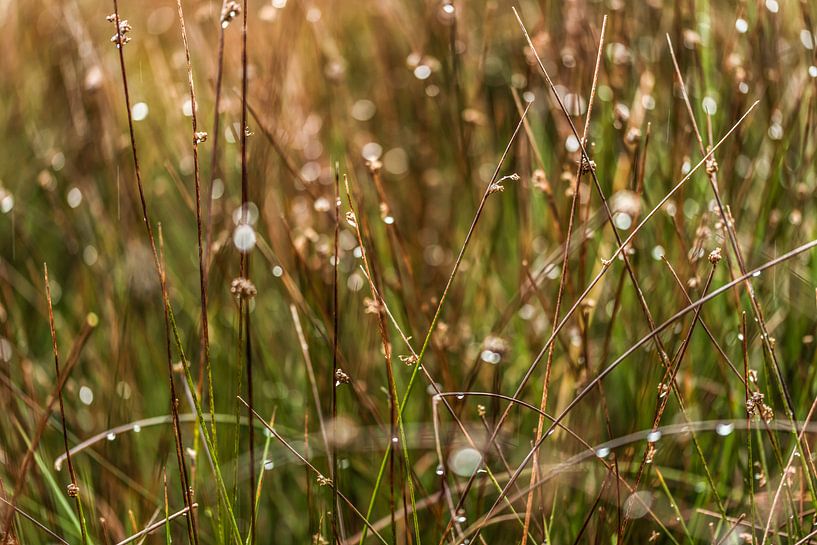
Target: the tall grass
(408, 272)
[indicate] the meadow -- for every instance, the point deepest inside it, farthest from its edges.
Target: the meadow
(437, 272)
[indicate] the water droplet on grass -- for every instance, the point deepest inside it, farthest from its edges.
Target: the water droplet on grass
(244, 238)
(725, 428)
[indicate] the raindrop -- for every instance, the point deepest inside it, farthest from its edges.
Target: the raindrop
(464, 462)
(74, 197)
(623, 221)
(572, 144)
(268, 465)
(440, 470)
(710, 106)
(422, 72)
(724, 428)
(741, 25)
(807, 39)
(111, 436)
(139, 111)
(6, 202)
(489, 356)
(89, 255)
(372, 151)
(250, 216)
(654, 436)
(86, 395)
(244, 238)
(137, 428)
(603, 452)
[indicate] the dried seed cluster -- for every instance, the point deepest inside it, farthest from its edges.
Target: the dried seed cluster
(243, 288)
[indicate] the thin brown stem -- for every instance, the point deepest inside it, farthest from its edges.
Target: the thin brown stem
(580, 169)
(73, 488)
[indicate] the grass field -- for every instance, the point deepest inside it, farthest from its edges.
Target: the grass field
(408, 272)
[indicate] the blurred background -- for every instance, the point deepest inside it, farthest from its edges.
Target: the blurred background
(412, 105)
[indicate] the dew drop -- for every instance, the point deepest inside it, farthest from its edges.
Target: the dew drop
(372, 151)
(74, 197)
(6, 202)
(244, 238)
(465, 461)
(86, 395)
(422, 72)
(139, 111)
(246, 213)
(724, 428)
(623, 221)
